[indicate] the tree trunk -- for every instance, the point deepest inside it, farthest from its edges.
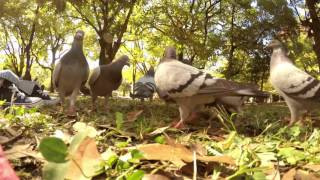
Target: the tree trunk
(53, 62)
(102, 55)
(28, 49)
(230, 69)
(315, 27)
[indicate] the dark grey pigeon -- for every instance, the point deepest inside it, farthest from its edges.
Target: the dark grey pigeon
(71, 72)
(107, 78)
(300, 90)
(145, 86)
(191, 88)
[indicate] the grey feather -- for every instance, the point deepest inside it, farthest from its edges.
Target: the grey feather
(72, 71)
(300, 90)
(107, 78)
(145, 86)
(191, 88)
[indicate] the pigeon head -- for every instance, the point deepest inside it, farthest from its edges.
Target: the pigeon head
(275, 44)
(150, 72)
(79, 35)
(124, 60)
(170, 53)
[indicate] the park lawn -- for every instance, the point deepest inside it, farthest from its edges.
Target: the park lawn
(255, 144)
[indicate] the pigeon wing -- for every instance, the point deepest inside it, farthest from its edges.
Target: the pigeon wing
(298, 84)
(180, 80)
(223, 87)
(56, 74)
(94, 76)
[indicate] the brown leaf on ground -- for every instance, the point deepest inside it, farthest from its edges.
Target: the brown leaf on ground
(20, 151)
(132, 116)
(290, 174)
(85, 161)
(154, 177)
(159, 131)
(313, 167)
(177, 154)
(3, 139)
(304, 175)
(200, 149)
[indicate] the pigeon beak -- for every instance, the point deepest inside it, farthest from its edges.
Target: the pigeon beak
(79, 35)
(128, 64)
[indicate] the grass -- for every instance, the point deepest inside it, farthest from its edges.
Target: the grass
(261, 144)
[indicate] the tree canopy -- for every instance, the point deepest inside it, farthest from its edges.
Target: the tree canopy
(224, 37)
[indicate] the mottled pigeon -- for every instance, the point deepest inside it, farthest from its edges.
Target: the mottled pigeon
(71, 72)
(107, 78)
(300, 90)
(191, 88)
(145, 86)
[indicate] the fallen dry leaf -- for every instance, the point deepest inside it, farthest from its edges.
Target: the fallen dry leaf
(132, 116)
(154, 177)
(20, 151)
(159, 131)
(200, 149)
(290, 174)
(87, 158)
(177, 154)
(304, 175)
(3, 139)
(313, 167)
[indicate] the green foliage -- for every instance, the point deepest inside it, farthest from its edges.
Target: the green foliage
(27, 117)
(160, 139)
(119, 120)
(122, 166)
(53, 150)
(136, 175)
(291, 155)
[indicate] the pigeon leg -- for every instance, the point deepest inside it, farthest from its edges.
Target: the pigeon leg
(184, 114)
(294, 115)
(62, 99)
(73, 98)
(106, 99)
(94, 98)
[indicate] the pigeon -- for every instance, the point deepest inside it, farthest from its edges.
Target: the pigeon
(300, 90)
(191, 88)
(71, 72)
(234, 104)
(145, 86)
(107, 78)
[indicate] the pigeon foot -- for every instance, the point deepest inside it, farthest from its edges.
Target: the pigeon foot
(179, 125)
(72, 112)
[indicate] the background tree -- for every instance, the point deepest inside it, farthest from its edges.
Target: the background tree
(19, 34)
(109, 19)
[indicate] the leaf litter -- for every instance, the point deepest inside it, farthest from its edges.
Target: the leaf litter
(132, 143)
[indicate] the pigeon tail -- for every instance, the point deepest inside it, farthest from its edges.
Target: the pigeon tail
(252, 92)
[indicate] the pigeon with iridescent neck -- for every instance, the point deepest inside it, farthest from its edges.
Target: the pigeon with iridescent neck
(191, 88)
(107, 78)
(300, 90)
(71, 72)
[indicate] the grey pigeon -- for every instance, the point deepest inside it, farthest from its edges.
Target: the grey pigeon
(300, 90)
(107, 78)
(71, 72)
(235, 104)
(145, 86)
(191, 88)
